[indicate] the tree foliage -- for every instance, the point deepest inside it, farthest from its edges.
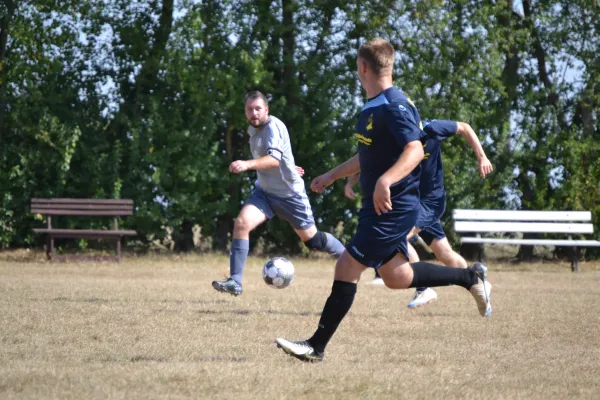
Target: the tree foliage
(144, 100)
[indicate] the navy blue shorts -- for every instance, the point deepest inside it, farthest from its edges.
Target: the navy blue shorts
(430, 213)
(295, 209)
(379, 238)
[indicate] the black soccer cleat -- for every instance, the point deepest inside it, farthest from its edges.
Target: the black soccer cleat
(228, 286)
(300, 350)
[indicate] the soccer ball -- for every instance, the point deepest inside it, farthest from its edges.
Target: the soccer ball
(278, 272)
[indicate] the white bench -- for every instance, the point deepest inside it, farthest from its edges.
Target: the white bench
(495, 221)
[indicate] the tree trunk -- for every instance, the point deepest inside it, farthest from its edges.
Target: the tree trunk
(540, 55)
(133, 109)
(289, 82)
(233, 147)
(526, 252)
(510, 21)
(184, 237)
(224, 226)
(4, 28)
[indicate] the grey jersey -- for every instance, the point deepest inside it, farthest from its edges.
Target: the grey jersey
(273, 139)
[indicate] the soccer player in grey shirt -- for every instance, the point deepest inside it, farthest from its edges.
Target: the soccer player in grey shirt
(279, 190)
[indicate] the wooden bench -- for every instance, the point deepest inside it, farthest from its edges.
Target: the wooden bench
(83, 208)
(500, 221)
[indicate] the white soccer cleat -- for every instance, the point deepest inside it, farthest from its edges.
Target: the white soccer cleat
(376, 281)
(481, 290)
(300, 350)
(422, 297)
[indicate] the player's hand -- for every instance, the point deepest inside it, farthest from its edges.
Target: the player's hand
(382, 197)
(238, 166)
(484, 167)
(300, 170)
(319, 184)
(349, 192)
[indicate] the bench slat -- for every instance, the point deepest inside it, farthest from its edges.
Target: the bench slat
(91, 207)
(533, 242)
(115, 213)
(525, 227)
(86, 233)
(82, 206)
(83, 201)
(521, 215)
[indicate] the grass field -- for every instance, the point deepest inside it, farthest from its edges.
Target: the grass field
(153, 327)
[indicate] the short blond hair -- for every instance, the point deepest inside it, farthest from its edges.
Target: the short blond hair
(379, 55)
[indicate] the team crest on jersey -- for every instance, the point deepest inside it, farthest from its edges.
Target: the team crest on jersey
(370, 122)
(363, 139)
(426, 155)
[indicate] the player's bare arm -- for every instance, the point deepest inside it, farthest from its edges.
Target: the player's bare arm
(411, 156)
(348, 188)
(484, 165)
(347, 168)
(261, 163)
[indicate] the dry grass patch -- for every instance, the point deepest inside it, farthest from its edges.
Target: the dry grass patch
(152, 327)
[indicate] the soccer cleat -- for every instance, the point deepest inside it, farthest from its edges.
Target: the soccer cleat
(377, 281)
(481, 290)
(228, 286)
(422, 297)
(301, 350)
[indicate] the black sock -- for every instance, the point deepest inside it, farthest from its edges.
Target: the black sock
(432, 275)
(337, 305)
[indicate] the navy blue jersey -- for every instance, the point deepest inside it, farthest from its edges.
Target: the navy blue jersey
(386, 124)
(432, 173)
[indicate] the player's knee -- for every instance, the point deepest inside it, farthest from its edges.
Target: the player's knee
(441, 253)
(448, 259)
(399, 278)
(396, 284)
(444, 253)
(317, 242)
(390, 285)
(241, 225)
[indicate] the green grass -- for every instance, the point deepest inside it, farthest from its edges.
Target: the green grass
(153, 327)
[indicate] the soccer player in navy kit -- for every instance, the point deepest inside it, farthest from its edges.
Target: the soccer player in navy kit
(390, 151)
(433, 197)
(279, 190)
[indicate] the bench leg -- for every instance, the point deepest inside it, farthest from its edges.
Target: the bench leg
(50, 247)
(481, 254)
(574, 260)
(119, 250)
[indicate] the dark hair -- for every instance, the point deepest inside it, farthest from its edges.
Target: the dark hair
(256, 94)
(379, 56)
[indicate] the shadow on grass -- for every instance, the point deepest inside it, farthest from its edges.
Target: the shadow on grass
(433, 314)
(153, 359)
(99, 300)
(268, 312)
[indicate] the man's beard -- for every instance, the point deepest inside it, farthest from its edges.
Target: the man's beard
(257, 123)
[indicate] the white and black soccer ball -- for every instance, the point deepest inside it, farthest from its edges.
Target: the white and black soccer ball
(278, 272)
